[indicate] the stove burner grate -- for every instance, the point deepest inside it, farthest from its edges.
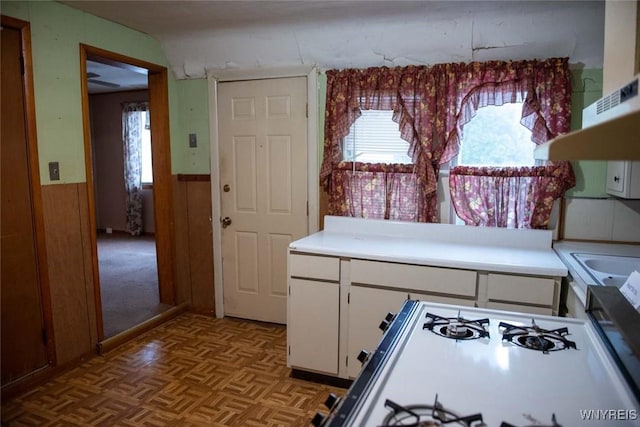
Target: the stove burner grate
(536, 338)
(427, 416)
(456, 328)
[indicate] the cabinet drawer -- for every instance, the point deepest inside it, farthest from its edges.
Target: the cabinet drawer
(528, 290)
(414, 277)
(314, 267)
(520, 308)
(442, 300)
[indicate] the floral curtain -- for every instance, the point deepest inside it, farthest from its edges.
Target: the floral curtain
(406, 91)
(132, 126)
(506, 197)
(379, 191)
(515, 197)
(431, 106)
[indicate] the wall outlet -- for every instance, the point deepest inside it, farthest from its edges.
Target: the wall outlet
(54, 171)
(193, 140)
(109, 230)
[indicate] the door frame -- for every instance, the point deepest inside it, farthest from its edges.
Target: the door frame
(36, 191)
(215, 76)
(162, 185)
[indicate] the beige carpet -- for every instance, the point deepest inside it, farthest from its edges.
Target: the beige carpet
(128, 281)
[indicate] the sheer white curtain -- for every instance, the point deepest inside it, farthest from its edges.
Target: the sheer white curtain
(133, 124)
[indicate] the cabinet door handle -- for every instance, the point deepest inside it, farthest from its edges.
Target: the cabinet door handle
(616, 178)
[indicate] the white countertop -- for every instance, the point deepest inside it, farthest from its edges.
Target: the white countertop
(442, 245)
(580, 276)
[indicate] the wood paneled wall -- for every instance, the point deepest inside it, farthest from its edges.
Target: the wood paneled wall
(66, 225)
(73, 300)
(194, 242)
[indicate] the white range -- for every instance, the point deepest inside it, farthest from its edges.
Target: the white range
(459, 366)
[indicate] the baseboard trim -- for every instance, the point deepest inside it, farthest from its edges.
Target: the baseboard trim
(321, 378)
(40, 376)
(110, 343)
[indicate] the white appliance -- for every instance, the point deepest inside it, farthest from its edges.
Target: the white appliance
(459, 366)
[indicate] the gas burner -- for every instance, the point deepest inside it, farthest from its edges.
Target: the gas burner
(456, 328)
(427, 416)
(535, 338)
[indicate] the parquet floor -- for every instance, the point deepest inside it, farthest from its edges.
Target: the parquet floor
(191, 371)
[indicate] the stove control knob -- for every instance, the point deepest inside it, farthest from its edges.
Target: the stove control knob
(363, 356)
(318, 419)
(386, 322)
(332, 401)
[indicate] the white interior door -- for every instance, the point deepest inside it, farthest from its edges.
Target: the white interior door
(263, 179)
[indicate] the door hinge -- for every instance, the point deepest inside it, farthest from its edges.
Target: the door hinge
(306, 113)
(289, 290)
(21, 65)
(289, 350)
(44, 336)
(307, 208)
(349, 298)
(346, 360)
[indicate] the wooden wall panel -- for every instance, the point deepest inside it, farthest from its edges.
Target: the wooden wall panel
(181, 228)
(200, 245)
(93, 300)
(194, 242)
(73, 307)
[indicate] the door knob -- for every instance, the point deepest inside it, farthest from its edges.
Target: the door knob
(226, 188)
(226, 221)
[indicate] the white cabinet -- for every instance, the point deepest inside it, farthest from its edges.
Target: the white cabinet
(367, 308)
(336, 305)
(378, 288)
(419, 278)
(623, 179)
(526, 294)
(313, 313)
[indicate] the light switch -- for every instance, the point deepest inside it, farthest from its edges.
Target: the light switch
(193, 140)
(54, 171)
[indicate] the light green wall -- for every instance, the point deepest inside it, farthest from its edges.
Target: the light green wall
(56, 33)
(590, 175)
(193, 101)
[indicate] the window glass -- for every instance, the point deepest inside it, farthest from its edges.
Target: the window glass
(495, 137)
(375, 138)
(147, 168)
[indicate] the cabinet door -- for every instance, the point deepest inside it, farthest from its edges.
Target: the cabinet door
(367, 309)
(312, 327)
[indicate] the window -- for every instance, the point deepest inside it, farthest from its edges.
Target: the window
(495, 137)
(375, 138)
(145, 133)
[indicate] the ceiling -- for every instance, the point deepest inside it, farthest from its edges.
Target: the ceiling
(204, 36)
(111, 78)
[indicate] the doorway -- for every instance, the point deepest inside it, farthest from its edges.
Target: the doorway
(137, 270)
